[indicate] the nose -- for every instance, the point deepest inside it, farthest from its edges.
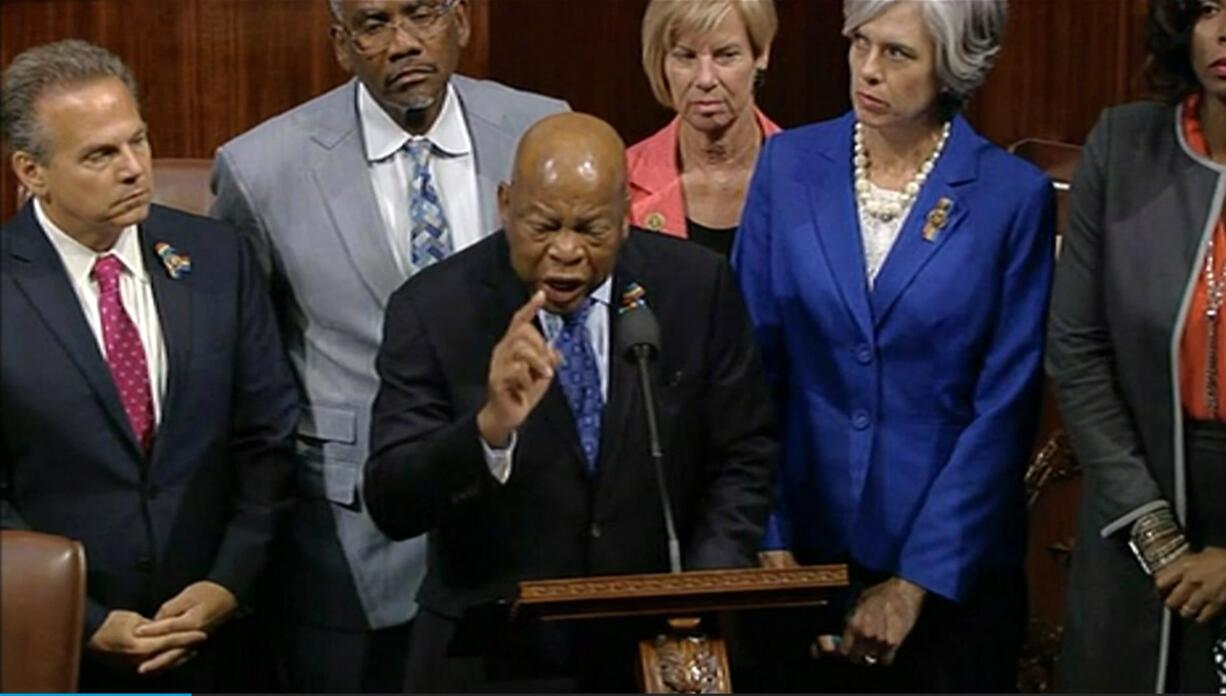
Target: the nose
(706, 73)
(131, 166)
(870, 67)
(404, 40)
(565, 248)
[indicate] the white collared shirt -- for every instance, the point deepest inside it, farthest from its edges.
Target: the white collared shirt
(499, 460)
(453, 168)
(135, 292)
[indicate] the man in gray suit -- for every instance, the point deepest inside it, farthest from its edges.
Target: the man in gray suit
(344, 198)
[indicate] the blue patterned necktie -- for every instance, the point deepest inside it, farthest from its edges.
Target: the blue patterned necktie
(581, 380)
(429, 237)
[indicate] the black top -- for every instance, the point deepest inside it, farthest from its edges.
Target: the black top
(719, 241)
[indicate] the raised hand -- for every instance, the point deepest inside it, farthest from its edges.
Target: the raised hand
(521, 369)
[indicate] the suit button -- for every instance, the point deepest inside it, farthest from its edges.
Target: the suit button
(864, 354)
(144, 564)
(595, 531)
(860, 420)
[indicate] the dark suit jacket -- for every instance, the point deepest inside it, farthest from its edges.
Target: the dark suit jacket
(1142, 210)
(205, 503)
(428, 473)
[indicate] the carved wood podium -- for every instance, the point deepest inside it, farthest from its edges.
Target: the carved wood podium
(683, 658)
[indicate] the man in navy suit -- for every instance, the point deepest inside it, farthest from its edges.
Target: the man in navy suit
(148, 405)
(509, 428)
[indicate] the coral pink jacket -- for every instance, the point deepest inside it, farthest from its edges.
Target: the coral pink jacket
(657, 201)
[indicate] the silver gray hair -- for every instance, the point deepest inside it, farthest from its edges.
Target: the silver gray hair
(44, 69)
(968, 35)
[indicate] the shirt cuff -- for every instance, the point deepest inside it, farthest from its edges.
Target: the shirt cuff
(499, 459)
(1126, 521)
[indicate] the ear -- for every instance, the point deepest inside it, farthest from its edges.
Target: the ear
(504, 205)
(764, 58)
(462, 25)
(340, 46)
(31, 174)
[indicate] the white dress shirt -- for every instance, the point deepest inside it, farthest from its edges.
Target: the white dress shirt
(135, 292)
(453, 169)
(499, 460)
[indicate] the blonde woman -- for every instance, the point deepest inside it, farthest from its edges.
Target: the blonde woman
(704, 59)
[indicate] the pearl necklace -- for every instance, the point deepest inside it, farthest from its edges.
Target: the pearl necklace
(888, 210)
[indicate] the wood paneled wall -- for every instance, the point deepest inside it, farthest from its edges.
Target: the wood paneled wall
(1063, 61)
(210, 69)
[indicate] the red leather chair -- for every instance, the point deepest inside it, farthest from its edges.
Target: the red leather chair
(1058, 160)
(183, 183)
(42, 612)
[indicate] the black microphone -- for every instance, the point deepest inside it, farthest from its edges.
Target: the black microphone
(638, 339)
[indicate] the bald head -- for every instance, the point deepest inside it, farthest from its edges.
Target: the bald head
(568, 145)
(564, 210)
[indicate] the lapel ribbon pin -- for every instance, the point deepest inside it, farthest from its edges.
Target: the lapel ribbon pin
(937, 217)
(177, 264)
(633, 298)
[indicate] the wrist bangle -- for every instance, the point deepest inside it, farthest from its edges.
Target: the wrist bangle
(1157, 541)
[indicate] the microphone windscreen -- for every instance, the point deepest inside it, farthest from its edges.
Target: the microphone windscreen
(637, 326)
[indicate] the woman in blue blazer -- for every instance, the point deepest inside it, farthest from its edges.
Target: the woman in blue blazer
(897, 268)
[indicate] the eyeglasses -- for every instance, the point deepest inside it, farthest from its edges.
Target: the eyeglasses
(423, 20)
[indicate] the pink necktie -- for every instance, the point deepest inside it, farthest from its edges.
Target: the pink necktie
(124, 353)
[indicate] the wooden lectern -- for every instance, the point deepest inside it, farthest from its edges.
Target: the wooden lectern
(682, 659)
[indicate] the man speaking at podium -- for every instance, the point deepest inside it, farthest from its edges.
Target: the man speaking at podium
(510, 426)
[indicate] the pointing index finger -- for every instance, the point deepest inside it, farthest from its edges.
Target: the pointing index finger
(528, 311)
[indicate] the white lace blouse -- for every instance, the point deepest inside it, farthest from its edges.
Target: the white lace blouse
(878, 236)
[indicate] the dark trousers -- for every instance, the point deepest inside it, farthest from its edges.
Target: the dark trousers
(484, 652)
(1192, 668)
(973, 646)
(320, 659)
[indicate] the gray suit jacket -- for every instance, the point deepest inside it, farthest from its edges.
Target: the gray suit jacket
(1143, 207)
(299, 187)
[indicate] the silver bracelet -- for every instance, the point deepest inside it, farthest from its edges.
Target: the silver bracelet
(1157, 540)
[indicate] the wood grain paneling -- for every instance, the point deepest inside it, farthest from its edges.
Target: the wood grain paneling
(208, 69)
(589, 54)
(211, 69)
(1062, 63)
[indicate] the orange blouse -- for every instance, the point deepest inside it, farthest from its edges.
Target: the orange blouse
(1194, 346)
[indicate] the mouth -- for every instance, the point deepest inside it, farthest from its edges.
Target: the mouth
(135, 199)
(411, 76)
(562, 292)
(869, 102)
(1218, 67)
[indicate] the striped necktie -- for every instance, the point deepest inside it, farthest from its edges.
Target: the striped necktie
(429, 235)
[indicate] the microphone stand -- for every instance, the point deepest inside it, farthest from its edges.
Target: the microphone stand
(642, 353)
